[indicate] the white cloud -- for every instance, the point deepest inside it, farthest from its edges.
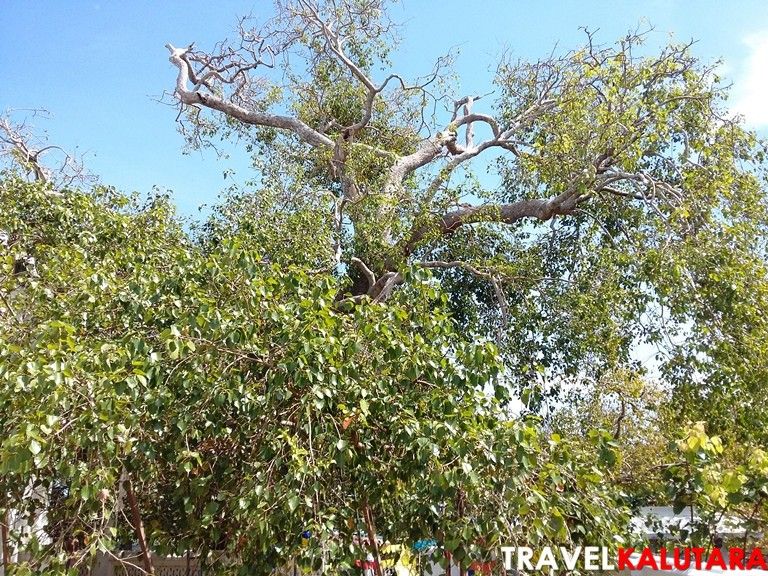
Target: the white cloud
(751, 84)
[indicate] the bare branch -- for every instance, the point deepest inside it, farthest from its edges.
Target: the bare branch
(25, 149)
(27, 157)
(405, 165)
(470, 131)
(252, 117)
(369, 275)
(454, 264)
(501, 139)
(498, 290)
(468, 119)
(383, 288)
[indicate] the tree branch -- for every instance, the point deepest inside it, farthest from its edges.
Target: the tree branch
(497, 288)
(406, 165)
(369, 275)
(194, 97)
(27, 157)
(541, 209)
(4, 539)
(138, 525)
(380, 291)
(455, 264)
(501, 139)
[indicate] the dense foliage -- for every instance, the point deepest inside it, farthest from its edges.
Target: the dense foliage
(245, 405)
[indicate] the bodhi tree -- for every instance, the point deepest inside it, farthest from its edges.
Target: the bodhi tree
(630, 208)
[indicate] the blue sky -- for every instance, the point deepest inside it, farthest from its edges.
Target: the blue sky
(99, 66)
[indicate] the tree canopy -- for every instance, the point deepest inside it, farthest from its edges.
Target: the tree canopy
(630, 209)
(338, 349)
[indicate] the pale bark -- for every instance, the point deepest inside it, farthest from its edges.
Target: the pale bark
(204, 80)
(193, 96)
(22, 149)
(537, 208)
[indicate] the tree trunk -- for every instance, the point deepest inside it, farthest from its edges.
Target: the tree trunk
(4, 524)
(372, 537)
(138, 525)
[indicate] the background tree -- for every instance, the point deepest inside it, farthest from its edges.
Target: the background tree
(641, 422)
(721, 484)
